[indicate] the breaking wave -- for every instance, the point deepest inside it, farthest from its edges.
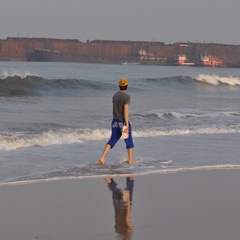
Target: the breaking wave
(193, 114)
(31, 84)
(201, 78)
(198, 115)
(216, 80)
(63, 136)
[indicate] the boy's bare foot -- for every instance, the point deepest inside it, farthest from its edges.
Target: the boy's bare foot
(130, 161)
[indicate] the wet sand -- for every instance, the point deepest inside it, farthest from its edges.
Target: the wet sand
(192, 205)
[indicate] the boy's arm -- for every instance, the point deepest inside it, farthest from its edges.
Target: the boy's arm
(126, 115)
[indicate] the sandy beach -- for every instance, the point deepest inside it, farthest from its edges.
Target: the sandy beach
(192, 205)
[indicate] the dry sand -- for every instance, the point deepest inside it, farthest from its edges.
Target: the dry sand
(196, 205)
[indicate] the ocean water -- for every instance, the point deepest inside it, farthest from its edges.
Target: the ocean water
(55, 119)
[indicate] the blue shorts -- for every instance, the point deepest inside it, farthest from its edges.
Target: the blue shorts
(117, 133)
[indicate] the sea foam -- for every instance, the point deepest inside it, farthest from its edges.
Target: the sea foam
(216, 80)
(16, 141)
(6, 74)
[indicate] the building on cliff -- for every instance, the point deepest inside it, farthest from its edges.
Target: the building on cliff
(116, 52)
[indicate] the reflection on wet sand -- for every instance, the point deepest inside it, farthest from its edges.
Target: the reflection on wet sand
(122, 201)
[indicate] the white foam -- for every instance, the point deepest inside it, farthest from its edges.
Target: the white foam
(184, 132)
(63, 136)
(10, 142)
(216, 80)
(186, 113)
(22, 75)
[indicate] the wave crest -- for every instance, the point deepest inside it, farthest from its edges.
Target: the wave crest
(10, 142)
(15, 141)
(27, 84)
(6, 75)
(216, 80)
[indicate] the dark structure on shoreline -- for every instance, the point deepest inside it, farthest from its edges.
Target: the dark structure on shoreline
(118, 52)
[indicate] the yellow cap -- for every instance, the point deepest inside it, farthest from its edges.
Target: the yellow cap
(123, 82)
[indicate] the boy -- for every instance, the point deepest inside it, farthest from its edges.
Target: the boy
(120, 122)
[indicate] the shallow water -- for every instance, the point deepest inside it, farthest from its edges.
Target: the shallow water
(55, 118)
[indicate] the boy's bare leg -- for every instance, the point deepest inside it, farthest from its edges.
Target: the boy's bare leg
(101, 161)
(130, 156)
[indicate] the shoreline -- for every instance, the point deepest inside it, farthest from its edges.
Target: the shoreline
(183, 206)
(121, 175)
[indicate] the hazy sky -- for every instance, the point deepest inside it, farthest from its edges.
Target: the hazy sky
(168, 21)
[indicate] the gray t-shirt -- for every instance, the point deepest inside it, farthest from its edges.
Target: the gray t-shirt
(119, 99)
